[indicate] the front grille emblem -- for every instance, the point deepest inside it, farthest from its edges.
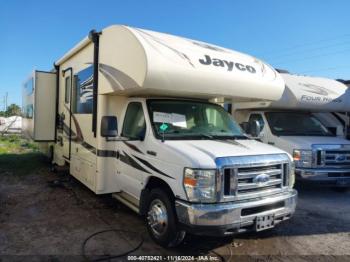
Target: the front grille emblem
(261, 179)
(340, 158)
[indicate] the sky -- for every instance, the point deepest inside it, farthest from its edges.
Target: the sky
(305, 37)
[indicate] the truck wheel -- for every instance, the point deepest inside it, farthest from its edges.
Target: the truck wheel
(161, 220)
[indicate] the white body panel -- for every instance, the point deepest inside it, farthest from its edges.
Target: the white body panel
(39, 106)
(135, 65)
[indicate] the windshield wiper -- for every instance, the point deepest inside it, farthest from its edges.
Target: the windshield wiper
(206, 135)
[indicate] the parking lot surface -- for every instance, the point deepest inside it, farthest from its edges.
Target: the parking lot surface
(40, 219)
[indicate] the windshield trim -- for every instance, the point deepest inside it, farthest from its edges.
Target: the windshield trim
(189, 137)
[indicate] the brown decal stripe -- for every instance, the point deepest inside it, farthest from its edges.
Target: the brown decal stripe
(106, 153)
(152, 167)
(135, 148)
(131, 162)
(89, 147)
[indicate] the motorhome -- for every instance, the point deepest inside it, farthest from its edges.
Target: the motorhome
(302, 124)
(127, 111)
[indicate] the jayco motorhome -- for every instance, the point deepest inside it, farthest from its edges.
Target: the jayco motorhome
(301, 124)
(132, 118)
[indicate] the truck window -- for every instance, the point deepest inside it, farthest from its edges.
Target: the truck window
(134, 125)
(83, 91)
(67, 90)
(296, 124)
(193, 120)
(259, 118)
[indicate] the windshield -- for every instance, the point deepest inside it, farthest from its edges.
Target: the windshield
(296, 124)
(174, 119)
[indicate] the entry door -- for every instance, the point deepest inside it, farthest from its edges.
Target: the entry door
(66, 113)
(129, 152)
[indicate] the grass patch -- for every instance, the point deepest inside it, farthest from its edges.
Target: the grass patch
(16, 144)
(19, 156)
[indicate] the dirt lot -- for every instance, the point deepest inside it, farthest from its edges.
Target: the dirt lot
(41, 221)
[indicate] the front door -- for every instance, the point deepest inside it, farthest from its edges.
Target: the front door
(129, 152)
(66, 115)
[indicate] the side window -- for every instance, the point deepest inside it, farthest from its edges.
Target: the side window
(259, 118)
(134, 125)
(83, 91)
(67, 88)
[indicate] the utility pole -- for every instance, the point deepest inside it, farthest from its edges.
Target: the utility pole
(6, 101)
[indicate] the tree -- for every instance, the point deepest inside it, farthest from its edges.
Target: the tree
(13, 110)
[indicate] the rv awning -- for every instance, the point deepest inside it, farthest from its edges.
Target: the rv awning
(141, 62)
(314, 94)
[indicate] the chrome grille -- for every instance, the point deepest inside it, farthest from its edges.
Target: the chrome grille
(255, 179)
(333, 158)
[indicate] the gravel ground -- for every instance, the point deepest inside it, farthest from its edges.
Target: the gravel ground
(42, 221)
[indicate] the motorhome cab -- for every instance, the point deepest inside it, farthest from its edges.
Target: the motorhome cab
(133, 119)
(302, 124)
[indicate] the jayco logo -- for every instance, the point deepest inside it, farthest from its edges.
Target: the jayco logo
(228, 64)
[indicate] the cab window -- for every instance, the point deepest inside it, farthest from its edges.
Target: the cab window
(134, 126)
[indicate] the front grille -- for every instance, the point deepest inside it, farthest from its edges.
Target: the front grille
(260, 209)
(333, 158)
(339, 174)
(253, 181)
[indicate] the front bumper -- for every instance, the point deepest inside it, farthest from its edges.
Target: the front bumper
(331, 177)
(234, 217)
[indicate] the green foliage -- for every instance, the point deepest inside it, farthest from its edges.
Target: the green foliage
(12, 110)
(19, 156)
(16, 144)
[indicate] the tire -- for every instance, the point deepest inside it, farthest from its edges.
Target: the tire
(161, 220)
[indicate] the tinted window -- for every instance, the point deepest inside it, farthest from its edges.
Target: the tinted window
(67, 90)
(296, 124)
(83, 91)
(28, 87)
(134, 125)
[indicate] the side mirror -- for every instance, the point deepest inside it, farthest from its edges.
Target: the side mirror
(109, 126)
(254, 128)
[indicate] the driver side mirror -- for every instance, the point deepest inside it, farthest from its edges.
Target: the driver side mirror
(109, 126)
(254, 128)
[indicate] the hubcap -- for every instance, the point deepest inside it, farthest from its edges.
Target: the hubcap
(157, 217)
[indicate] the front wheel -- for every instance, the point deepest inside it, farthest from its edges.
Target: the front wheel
(161, 220)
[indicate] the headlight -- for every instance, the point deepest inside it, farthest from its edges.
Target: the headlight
(200, 184)
(292, 175)
(302, 158)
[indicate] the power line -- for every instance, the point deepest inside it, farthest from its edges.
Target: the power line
(325, 69)
(307, 44)
(310, 50)
(314, 56)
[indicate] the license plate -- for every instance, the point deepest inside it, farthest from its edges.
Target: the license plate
(343, 182)
(264, 222)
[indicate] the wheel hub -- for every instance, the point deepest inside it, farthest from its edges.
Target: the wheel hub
(157, 217)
